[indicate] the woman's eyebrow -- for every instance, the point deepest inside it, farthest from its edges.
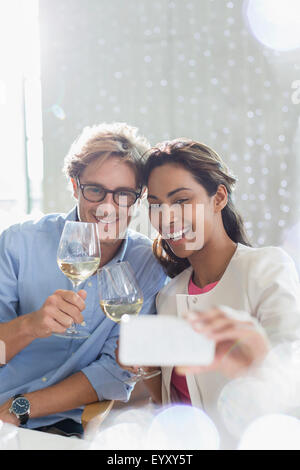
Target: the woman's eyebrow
(171, 193)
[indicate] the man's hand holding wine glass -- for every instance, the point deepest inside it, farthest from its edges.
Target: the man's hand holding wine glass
(59, 312)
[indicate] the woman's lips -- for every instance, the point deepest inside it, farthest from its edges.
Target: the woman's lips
(181, 237)
(176, 236)
(176, 242)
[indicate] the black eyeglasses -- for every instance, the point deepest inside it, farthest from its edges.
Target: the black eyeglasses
(96, 193)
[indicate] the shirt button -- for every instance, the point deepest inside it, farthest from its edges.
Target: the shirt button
(44, 379)
(89, 284)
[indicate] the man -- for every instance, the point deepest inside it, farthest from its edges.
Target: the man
(57, 376)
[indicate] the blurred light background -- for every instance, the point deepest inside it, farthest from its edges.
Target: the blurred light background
(223, 72)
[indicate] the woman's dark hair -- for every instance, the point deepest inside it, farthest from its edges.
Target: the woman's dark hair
(210, 171)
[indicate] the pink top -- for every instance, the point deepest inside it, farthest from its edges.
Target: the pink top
(178, 382)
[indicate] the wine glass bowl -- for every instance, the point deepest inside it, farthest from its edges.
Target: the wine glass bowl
(120, 296)
(78, 257)
(119, 291)
(78, 270)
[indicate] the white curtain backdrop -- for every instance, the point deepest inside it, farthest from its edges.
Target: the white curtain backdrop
(177, 68)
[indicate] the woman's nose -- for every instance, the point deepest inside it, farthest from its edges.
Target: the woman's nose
(170, 216)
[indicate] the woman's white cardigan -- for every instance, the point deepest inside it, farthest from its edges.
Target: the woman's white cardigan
(260, 284)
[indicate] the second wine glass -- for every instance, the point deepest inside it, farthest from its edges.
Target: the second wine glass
(120, 295)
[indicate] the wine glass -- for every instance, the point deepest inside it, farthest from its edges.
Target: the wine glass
(78, 257)
(120, 296)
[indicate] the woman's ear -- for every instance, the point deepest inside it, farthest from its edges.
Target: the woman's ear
(220, 198)
(75, 188)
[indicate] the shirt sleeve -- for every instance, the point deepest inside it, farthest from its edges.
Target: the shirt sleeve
(105, 375)
(9, 268)
(274, 296)
(272, 386)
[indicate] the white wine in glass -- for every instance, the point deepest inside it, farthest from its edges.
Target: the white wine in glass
(78, 270)
(115, 310)
(120, 296)
(78, 257)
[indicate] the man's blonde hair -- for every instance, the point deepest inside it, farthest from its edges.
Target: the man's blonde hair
(104, 140)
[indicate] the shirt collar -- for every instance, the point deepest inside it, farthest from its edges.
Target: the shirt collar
(72, 215)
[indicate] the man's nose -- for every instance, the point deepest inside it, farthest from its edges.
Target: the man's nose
(109, 203)
(109, 199)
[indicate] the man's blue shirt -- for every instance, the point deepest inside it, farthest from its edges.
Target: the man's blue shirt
(28, 275)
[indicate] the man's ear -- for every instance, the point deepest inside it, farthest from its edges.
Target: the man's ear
(75, 188)
(220, 198)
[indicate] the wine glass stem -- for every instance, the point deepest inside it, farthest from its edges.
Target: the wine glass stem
(76, 286)
(72, 328)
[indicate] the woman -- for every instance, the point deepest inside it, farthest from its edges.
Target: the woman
(247, 299)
